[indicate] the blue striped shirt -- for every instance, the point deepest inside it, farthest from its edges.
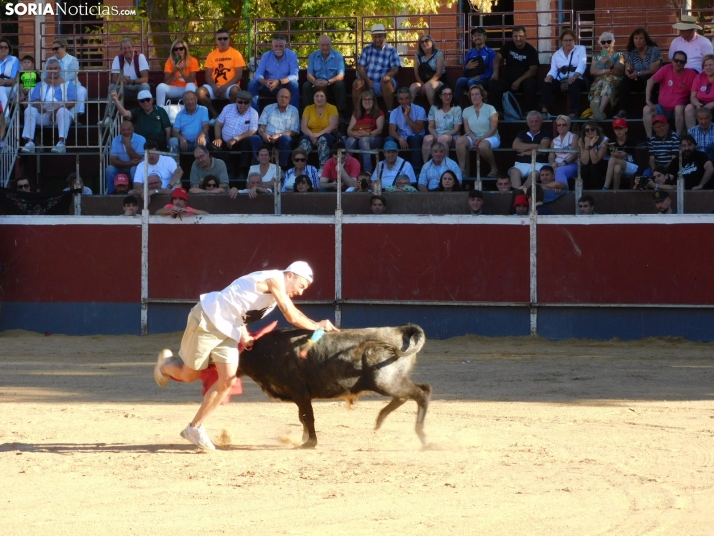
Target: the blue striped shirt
(378, 63)
(277, 122)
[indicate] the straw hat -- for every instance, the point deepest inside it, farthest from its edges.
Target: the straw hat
(687, 22)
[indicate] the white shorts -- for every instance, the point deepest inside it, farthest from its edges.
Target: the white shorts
(631, 169)
(525, 169)
(225, 93)
(493, 140)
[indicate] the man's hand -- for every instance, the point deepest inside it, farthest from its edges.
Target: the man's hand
(136, 161)
(201, 140)
(403, 143)
(183, 144)
(326, 325)
(319, 82)
(233, 193)
(219, 91)
(246, 340)
(515, 85)
(218, 143)
(272, 84)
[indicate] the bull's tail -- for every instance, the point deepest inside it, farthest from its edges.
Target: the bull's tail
(413, 339)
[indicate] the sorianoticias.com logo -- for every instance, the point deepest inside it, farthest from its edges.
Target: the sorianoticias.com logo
(29, 8)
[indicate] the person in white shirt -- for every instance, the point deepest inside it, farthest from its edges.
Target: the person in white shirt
(567, 67)
(392, 166)
(165, 166)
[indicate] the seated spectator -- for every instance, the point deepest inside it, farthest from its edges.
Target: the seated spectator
(593, 148)
(703, 133)
(694, 46)
(126, 152)
(449, 182)
(378, 204)
(697, 169)
(149, 120)
(76, 185)
(434, 169)
(481, 131)
(254, 186)
(121, 184)
(504, 185)
(278, 68)
(429, 68)
(224, 71)
(607, 68)
(301, 167)
(586, 205)
(191, 125)
(130, 206)
(643, 59)
(521, 206)
(541, 208)
(209, 185)
(179, 74)
(675, 83)
(444, 121)
(234, 127)
(365, 128)
(348, 173)
(663, 146)
(567, 67)
(319, 126)
(130, 71)
(362, 183)
(303, 184)
(29, 78)
(268, 172)
(478, 65)
(406, 126)
(69, 70)
(662, 201)
(401, 184)
(153, 186)
(552, 189)
(165, 166)
(701, 95)
(565, 164)
(377, 66)
(476, 202)
(279, 123)
(9, 68)
(22, 184)
(391, 167)
(622, 156)
(205, 165)
(50, 104)
(178, 208)
(326, 69)
(518, 73)
(527, 141)
(660, 180)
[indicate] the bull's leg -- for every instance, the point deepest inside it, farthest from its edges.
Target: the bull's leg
(307, 418)
(389, 408)
(423, 402)
(406, 390)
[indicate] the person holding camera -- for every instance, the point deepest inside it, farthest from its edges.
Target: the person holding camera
(567, 67)
(622, 156)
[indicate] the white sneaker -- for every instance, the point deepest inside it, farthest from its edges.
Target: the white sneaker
(59, 148)
(162, 380)
(29, 147)
(198, 437)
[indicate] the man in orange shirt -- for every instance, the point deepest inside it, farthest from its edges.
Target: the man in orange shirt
(224, 71)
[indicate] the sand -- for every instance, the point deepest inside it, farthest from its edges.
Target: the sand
(527, 437)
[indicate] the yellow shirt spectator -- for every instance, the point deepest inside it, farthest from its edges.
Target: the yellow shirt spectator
(315, 122)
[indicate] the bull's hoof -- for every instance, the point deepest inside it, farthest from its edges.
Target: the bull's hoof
(309, 444)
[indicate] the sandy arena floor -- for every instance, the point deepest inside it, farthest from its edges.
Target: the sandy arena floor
(528, 437)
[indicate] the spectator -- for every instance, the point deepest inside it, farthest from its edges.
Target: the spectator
(377, 66)
(301, 167)
(179, 74)
(254, 186)
(521, 62)
(22, 184)
(74, 182)
(9, 67)
(126, 152)
(449, 182)
(392, 166)
(504, 185)
(429, 68)
(567, 67)
(191, 125)
(29, 78)
(362, 183)
(51, 104)
(130, 70)
(278, 68)
(378, 204)
(130, 206)
(303, 184)
(481, 131)
(541, 209)
(209, 185)
(326, 69)
(406, 126)
(565, 164)
(178, 207)
(552, 188)
(279, 123)
(350, 169)
(224, 71)
(266, 171)
(434, 169)
(319, 126)
(478, 65)
(234, 127)
(593, 148)
(153, 186)
(520, 205)
(121, 184)
(150, 121)
(675, 83)
(703, 133)
(697, 169)
(401, 184)
(165, 166)
(622, 156)
(661, 180)
(365, 128)
(701, 95)
(586, 205)
(205, 165)
(607, 69)
(642, 60)
(444, 121)
(476, 202)
(663, 146)
(662, 201)
(694, 46)
(69, 71)
(527, 141)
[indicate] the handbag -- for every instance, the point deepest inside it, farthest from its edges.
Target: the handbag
(426, 73)
(564, 81)
(172, 110)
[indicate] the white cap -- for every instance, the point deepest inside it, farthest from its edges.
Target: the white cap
(300, 268)
(144, 94)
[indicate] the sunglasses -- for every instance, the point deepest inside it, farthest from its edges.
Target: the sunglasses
(211, 185)
(299, 159)
(23, 186)
(587, 129)
(56, 48)
(223, 38)
(179, 49)
(608, 42)
(243, 102)
(145, 100)
(679, 61)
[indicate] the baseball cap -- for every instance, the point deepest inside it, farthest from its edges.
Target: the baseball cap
(520, 200)
(181, 193)
(659, 119)
(479, 29)
(391, 146)
(121, 179)
(144, 94)
(300, 268)
(660, 195)
(619, 123)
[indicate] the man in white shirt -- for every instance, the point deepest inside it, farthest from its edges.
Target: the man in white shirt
(695, 46)
(392, 166)
(130, 70)
(430, 175)
(165, 166)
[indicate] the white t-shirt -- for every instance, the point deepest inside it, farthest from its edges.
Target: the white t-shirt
(129, 69)
(165, 167)
(400, 167)
(239, 303)
(269, 176)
